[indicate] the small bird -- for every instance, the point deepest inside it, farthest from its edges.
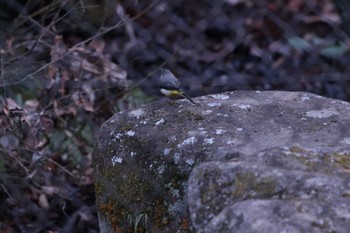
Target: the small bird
(170, 86)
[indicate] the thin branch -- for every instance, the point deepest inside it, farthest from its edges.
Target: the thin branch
(63, 168)
(46, 29)
(5, 190)
(102, 32)
(3, 75)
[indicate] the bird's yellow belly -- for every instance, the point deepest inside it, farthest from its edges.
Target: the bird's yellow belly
(173, 94)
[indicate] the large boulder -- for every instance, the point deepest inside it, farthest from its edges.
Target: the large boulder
(237, 162)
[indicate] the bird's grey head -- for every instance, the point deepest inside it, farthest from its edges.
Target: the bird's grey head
(167, 78)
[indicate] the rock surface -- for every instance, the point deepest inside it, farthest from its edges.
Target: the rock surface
(238, 162)
(250, 197)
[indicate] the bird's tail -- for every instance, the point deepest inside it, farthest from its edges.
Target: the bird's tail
(183, 94)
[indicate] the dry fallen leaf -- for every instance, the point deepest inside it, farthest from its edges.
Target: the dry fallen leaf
(50, 190)
(43, 202)
(9, 142)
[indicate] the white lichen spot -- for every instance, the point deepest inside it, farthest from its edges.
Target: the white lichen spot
(143, 122)
(117, 135)
(230, 142)
(166, 151)
(323, 113)
(176, 208)
(207, 112)
(177, 157)
(239, 129)
(175, 193)
(161, 121)
(193, 133)
(319, 181)
(190, 161)
(116, 159)
(243, 106)
(161, 169)
(137, 113)
(188, 141)
(342, 211)
(209, 141)
(202, 132)
(220, 131)
(305, 98)
(221, 114)
(132, 154)
(130, 133)
(221, 96)
(257, 91)
(214, 104)
(346, 141)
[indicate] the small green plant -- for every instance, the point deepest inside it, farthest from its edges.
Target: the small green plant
(134, 220)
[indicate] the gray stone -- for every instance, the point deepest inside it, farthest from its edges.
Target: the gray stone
(280, 200)
(143, 159)
(276, 216)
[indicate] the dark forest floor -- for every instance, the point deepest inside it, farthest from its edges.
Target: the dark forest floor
(67, 67)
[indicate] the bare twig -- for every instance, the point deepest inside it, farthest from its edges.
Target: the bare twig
(44, 29)
(102, 32)
(2, 75)
(63, 168)
(5, 190)
(26, 170)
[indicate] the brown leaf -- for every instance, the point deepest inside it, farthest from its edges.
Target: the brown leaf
(30, 138)
(90, 67)
(114, 70)
(81, 102)
(58, 49)
(11, 104)
(46, 123)
(295, 5)
(31, 105)
(52, 71)
(87, 179)
(50, 190)
(98, 45)
(11, 108)
(43, 202)
(9, 142)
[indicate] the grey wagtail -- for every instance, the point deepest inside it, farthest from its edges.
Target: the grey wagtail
(170, 86)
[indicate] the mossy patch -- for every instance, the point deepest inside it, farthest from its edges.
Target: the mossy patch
(135, 188)
(328, 163)
(342, 161)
